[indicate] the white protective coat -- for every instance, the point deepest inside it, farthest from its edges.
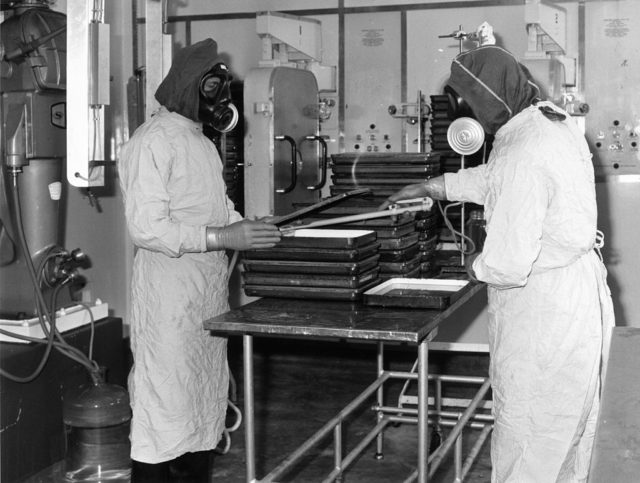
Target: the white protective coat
(549, 308)
(173, 187)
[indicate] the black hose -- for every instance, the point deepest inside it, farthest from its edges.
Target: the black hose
(41, 308)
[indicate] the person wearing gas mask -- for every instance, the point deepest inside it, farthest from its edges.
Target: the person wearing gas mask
(181, 222)
(550, 309)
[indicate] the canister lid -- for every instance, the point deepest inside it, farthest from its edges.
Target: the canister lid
(96, 406)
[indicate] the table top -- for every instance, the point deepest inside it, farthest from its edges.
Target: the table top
(327, 318)
(616, 451)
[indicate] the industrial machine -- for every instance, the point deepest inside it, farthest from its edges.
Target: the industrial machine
(33, 110)
(285, 154)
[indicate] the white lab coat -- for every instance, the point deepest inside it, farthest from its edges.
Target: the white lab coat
(550, 308)
(173, 188)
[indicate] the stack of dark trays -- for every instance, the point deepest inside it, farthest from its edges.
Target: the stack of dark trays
(327, 264)
(406, 243)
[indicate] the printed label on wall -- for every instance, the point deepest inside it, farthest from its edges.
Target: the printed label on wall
(616, 27)
(372, 37)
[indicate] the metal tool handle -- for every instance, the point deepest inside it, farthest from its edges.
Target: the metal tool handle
(294, 164)
(393, 210)
(323, 162)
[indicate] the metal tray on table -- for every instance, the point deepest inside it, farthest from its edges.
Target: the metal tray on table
(314, 254)
(325, 293)
(327, 238)
(311, 280)
(296, 266)
(404, 241)
(431, 293)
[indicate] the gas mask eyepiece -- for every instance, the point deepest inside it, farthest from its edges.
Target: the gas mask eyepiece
(457, 107)
(216, 109)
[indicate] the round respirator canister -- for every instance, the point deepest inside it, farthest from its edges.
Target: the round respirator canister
(465, 135)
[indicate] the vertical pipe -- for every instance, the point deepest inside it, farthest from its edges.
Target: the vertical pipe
(337, 447)
(423, 406)
(380, 398)
(458, 459)
(249, 428)
(341, 76)
(403, 75)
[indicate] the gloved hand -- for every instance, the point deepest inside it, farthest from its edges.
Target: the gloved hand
(433, 188)
(242, 235)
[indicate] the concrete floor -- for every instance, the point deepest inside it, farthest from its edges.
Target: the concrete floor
(300, 386)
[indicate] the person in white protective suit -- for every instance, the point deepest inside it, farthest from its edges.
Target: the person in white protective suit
(550, 309)
(181, 221)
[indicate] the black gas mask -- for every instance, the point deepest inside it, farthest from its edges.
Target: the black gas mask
(216, 109)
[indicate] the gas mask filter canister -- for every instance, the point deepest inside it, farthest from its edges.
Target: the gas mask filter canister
(216, 108)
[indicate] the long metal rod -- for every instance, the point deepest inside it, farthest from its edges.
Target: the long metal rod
(475, 450)
(445, 422)
(442, 377)
(351, 218)
(488, 418)
(380, 398)
(249, 421)
(327, 428)
(457, 460)
(337, 448)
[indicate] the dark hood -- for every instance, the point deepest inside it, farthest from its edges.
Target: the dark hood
(494, 84)
(178, 92)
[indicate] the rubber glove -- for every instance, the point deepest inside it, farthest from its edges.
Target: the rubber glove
(242, 235)
(433, 188)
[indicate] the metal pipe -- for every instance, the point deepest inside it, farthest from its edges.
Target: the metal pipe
(250, 443)
(441, 377)
(441, 414)
(445, 422)
(380, 398)
(475, 450)
(337, 448)
(423, 408)
(457, 460)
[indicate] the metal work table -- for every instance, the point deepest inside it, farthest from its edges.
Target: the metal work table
(339, 321)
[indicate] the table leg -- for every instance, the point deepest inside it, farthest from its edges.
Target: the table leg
(249, 421)
(380, 397)
(423, 407)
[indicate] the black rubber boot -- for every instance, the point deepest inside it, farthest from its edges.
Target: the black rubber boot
(150, 473)
(192, 467)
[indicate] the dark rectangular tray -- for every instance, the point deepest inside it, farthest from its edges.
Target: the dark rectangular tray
(405, 241)
(327, 238)
(416, 293)
(327, 268)
(367, 182)
(311, 280)
(324, 293)
(399, 255)
(314, 254)
(401, 267)
(385, 169)
(384, 158)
